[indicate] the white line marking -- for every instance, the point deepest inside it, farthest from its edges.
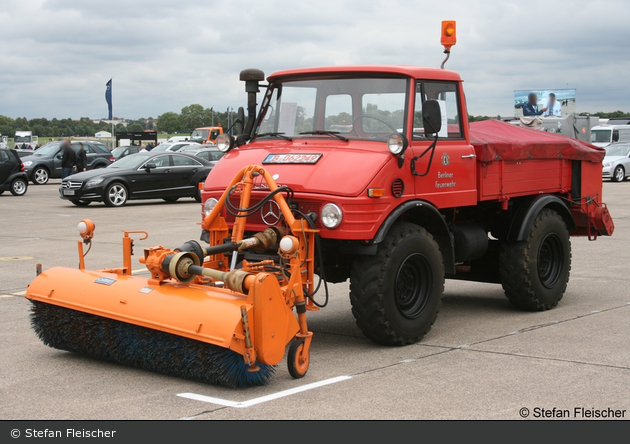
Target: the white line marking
(267, 398)
(3, 296)
(139, 270)
(20, 293)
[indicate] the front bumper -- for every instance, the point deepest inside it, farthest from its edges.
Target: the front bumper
(607, 172)
(78, 191)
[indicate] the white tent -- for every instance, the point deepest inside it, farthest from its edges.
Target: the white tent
(103, 134)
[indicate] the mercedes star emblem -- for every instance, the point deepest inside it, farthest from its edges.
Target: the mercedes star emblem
(271, 213)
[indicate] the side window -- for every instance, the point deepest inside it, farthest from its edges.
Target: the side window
(159, 161)
(133, 150)
(204, 155)
(338, 113)
(184, 161)
(4, 157)
(446, 93)
(216, 155)
(89, 149)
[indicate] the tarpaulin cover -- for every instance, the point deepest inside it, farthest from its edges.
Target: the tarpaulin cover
(494, 140)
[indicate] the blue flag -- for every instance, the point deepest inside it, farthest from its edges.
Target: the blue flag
(108, 97)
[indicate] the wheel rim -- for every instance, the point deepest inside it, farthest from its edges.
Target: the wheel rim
(41, 176)
(301, 360)
(117, 195)
(550, 260)
(619, 174)
(413, 285)
(19, 187)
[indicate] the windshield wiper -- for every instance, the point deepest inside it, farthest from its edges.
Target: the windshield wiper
(281, 135)
(327, 133)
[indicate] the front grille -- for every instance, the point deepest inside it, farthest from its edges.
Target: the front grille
(71, 184)
(257, 218)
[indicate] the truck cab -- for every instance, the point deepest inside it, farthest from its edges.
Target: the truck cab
(206, 135)
(604, 135)
(404, 193)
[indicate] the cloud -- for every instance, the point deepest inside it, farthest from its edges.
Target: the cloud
(164, 55)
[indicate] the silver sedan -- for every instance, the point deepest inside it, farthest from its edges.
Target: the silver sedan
(616, 164)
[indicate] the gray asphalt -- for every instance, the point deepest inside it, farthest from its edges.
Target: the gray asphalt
(482, 359)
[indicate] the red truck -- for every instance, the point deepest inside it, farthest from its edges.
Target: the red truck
(405, 192)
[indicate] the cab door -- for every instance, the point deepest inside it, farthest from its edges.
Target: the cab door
(446, 173)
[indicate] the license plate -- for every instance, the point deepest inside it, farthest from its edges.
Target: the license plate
(68, 192)
(292, 158)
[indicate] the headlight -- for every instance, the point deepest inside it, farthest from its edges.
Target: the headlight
(606, 164)
(396, 144)
(93, 182)
(225, 142)
(28, 163)
(331, 215)
(209, 206)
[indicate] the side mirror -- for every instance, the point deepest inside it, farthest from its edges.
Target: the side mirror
(149, 166)
(240, 119)
(59, 156)
(431, 117)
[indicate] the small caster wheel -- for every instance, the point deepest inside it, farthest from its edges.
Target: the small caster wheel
(297, 360)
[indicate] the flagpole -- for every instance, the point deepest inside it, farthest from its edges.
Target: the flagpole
(112, 99)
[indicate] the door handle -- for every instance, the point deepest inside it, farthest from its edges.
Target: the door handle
(469, 156)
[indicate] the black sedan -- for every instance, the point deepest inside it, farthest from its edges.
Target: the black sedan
(160, 175)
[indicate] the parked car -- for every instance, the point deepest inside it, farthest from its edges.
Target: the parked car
(12, 175)
(160, 175)
(211, 154)
(179, 139)
(123, 151)
(174, 147)
(45, 163)
(616, 163)
(23, 153)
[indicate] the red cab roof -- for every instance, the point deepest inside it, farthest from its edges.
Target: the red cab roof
(417, 72)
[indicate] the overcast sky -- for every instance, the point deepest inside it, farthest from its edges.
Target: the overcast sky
(57, 55)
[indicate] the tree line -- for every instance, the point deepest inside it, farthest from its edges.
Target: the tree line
(191, 117)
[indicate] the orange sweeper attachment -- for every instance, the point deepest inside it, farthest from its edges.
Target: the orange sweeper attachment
(197, 316)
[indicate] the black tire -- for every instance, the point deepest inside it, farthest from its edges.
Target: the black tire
(619, 174)
(396, 294)
(170, 199)
(116, 195)
(19, 187)
(40, 176)
(297, 369)
(1, 192)
(81, 203)
(535, 272)
(198, 195)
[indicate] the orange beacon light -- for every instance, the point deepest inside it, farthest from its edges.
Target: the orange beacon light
(449, 35)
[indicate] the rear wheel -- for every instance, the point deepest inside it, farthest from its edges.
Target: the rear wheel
(80, 203)
(19, 187)
(40, 176)
(396, 294)
(535, 272)
(619, 175)
(116, 195)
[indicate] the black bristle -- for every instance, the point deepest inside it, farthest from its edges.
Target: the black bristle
(142, 347)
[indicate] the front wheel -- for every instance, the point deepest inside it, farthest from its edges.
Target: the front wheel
(170, 199)
(535, 272)
(19, 187)
(115, 195)
(40, 176)
(396, 294)
(619, 175)
(297, 359)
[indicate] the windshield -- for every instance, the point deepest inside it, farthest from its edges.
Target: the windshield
(200, 134)
(48, 150)
(22, 139)
(601, 136)
(357, 108)
(129, 162)
(162, 147)
(617, 150)
(118, 151)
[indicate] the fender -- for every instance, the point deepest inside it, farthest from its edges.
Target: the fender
(527, 213)
(427, 216)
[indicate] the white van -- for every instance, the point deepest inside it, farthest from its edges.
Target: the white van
(179, 139)
(604, 135)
